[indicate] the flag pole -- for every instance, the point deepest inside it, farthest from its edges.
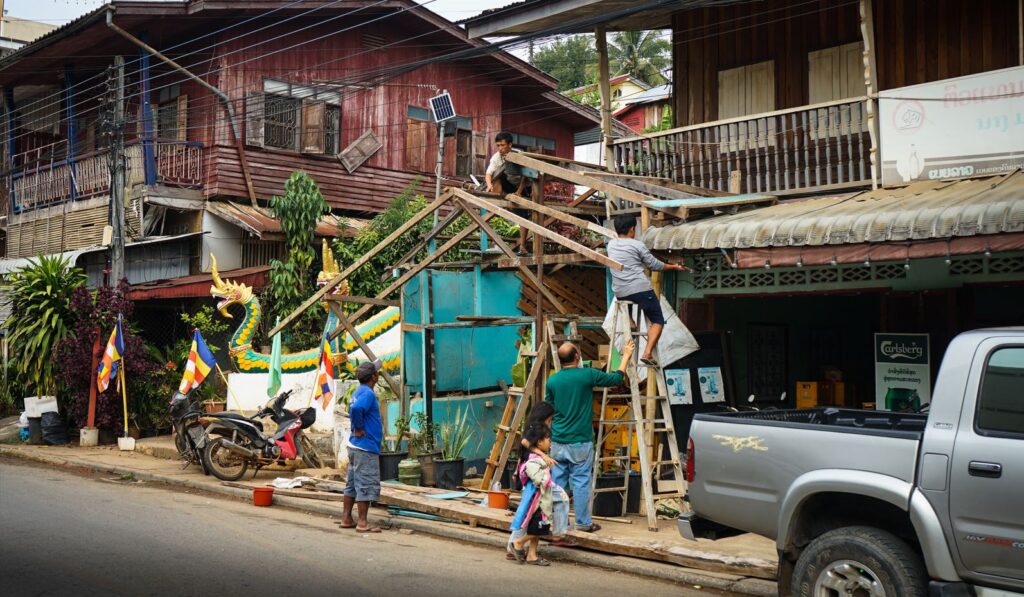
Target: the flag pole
(226, 384)
(124, 394)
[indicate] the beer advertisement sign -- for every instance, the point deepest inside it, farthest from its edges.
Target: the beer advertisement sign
(902, 372)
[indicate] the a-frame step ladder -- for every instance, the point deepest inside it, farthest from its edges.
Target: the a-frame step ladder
(649, 425)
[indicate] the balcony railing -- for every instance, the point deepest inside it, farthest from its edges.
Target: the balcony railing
(800, 149)
(37, 183)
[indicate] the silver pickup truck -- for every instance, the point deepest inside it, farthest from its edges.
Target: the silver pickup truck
(880, 503)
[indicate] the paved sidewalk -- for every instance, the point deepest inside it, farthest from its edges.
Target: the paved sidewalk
(150, 463)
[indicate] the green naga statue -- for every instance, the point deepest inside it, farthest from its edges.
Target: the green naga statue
(381, 332)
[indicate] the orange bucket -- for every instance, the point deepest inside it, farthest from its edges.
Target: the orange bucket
(497, 499)
(262, 496)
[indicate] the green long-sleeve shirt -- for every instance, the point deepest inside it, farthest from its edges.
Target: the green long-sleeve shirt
(571, 392)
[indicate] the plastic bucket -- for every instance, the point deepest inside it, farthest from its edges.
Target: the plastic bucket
(497, 499)
(409, 471)
(262, 496)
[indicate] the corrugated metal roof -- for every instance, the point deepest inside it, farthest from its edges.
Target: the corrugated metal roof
(259, 222)
(919, 211)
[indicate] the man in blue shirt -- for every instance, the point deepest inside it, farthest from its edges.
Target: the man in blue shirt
(362, 481)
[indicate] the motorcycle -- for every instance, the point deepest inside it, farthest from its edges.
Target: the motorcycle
(240, 442)
(189, 434)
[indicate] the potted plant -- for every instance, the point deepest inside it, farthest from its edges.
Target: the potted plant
(391, 452)
(450, 467)
(424, 445)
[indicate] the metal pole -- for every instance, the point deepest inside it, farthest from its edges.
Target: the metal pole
(117, 181)
(440, 165)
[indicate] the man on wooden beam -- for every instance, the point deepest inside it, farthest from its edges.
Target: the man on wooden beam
(504, 177)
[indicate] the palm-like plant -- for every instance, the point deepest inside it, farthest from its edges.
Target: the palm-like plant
(41, 315)
(641, 54)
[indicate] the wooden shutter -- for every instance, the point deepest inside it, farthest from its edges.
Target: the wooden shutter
(182, 118)
(480, 157)
(254, 119)
(732, 93)
(416, 144)
(836, 73)
(359, 151)
(314, 117)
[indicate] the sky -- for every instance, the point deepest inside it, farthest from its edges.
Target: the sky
(58, 12)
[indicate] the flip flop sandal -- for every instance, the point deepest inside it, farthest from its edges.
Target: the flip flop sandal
(566, 541)
(651, 362)
(538, 562)
(342, 525)
(593, 528)
(368, 530)
(518, 554)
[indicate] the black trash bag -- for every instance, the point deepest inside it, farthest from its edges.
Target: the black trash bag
(55, 432)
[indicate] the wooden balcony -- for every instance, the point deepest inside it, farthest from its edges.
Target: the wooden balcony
(41, 182)
(799, 150)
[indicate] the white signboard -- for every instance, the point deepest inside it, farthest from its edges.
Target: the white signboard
(902, 372)
(678, 382)
(711, 388)
(967, 126)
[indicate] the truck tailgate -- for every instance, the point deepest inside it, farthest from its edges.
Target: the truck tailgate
(744, 467)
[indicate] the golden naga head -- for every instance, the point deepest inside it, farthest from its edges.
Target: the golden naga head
(229, 292)
(330, 270)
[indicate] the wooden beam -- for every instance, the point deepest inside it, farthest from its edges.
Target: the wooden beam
(358, 263)
(355, 335)
(660, 182)
(447, 221)
(360, 300)
(427, 260)
(604, 90)
(554, 213)
(538, 229)
(559, 258)
(507, 250)
(579, 178)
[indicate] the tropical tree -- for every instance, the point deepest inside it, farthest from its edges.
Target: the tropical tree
(41, 316)
(293, 280)
(571, 60)
(645, 55)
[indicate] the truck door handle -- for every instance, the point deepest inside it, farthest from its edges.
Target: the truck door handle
(985, 469)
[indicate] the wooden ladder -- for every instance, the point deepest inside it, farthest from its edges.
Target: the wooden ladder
(658, 427)
(517, 402)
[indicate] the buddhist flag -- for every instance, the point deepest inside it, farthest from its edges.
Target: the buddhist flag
(325, 375)
(200, 363)
(111, 356)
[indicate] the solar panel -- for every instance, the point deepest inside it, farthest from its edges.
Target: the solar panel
(442, 107)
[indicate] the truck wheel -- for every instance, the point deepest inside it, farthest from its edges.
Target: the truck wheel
(859, 561)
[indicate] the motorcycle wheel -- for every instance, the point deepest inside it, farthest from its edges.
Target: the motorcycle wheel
(182, 445)
(222, 462)
(309, 454)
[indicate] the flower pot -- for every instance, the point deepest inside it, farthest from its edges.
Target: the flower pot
(450, 473)
(88, 437)
(427, 477)
(213, 407)
(389, 464)
(509, 478)
(134, 432)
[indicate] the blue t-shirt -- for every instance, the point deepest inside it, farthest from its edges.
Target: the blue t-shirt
(365, 415)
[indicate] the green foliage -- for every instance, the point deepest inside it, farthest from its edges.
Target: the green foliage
(172, 358)
(424, 440)
(590, 96)
(292, 281)
(41, 316)
(642, 54)
(570, 60)
(455, 435)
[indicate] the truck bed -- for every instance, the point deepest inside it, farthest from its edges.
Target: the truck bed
(870, 422)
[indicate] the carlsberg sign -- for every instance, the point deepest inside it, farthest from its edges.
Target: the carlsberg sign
(902, 372)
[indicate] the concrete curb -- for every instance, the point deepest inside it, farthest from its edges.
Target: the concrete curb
(639, 567)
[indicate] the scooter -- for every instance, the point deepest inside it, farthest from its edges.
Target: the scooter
(189, 435)
(238, 442)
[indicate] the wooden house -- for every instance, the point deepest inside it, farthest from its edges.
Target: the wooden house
(225, 100)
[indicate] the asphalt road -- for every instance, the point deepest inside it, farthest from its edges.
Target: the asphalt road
(69, 534)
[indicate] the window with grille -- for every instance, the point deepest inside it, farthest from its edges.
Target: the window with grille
(296, 117)
(281, 121)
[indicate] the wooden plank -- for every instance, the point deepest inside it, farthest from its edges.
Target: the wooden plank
(361, 300)
(539, 230)
(506, 262)
(358, 263)
(554, 213)
(507, 250)
(355, 335)
(578, 178)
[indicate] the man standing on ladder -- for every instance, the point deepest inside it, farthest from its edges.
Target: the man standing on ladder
(631, 283)
(571, 392)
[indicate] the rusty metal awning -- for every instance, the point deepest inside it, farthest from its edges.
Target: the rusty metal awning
(263, 225)
(926, 210)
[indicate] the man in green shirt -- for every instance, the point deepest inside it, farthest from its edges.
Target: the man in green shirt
(571, 392)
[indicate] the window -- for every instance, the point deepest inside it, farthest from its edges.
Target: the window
(1001, 400)
(617, 93)
(533, 143)
(296, 117)
(171, 118)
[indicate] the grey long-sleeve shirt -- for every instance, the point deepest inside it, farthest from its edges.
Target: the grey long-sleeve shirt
(633, 255)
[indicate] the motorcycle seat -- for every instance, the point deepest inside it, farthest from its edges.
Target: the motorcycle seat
(236, 416)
